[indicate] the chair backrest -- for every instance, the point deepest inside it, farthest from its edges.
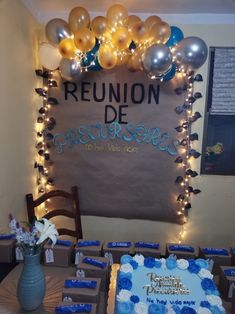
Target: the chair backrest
(74, 213)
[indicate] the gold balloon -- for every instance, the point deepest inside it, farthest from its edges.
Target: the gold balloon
(99, 26)
(107, 56)
(67, 48)
(131, 20)
(78, 18)
(139, 32)
(121, 38)
(151, 20)
(84, 39)
(160, 33)
(122, 57)
(117, 15)
(135, 61)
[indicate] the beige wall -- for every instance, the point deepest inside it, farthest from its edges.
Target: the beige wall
(211, 219)
(17, 108)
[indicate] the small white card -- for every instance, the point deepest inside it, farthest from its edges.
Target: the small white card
(19, 255)
(49, 256)
(230, 290)
(80, 273)
(67, 299)
(110, 257)
(211, 264)
(78, 257)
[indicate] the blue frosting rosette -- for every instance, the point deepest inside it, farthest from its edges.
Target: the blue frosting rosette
(202, 263)
(208, 284)
(188, 310)
(157, 309)
(193, 267)
(149, 262)
(171, 262)
(126, 307)
(126, 259)
(134, 264)
(124, 283)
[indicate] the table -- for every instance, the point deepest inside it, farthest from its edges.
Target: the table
(55, 277)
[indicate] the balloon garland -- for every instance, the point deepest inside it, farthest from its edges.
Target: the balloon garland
(105, 42)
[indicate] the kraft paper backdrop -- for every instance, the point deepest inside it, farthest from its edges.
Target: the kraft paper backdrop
(117, 178)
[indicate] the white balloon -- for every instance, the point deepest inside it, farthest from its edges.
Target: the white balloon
(49, 56)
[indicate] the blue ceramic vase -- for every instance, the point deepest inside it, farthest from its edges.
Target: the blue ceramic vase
(31, 285)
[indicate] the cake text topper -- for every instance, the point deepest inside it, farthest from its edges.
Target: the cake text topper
(165, 285)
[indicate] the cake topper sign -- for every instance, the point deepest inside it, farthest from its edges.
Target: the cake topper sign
(165, 285)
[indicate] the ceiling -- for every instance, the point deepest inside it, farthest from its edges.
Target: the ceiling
(223, 10)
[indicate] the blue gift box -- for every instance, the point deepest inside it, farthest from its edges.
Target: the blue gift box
(117, 249)
(227, 281)
(185, 251)
(84, 293)
(218, 256)
(89, 247)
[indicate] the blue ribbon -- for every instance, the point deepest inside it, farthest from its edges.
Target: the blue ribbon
(118, 244)
(184, 248)
(229, 272)
(64, 242)
(149, 245)
(88, 243)
(74, 308)
(215, 251)
(94, 262)
(6, 236)
(77, 283)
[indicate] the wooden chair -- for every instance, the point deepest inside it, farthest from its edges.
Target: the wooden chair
(74, 213)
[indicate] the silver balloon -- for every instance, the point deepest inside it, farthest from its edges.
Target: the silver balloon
(191, 53)
(70, 69)
(56, 30)
(157, 59)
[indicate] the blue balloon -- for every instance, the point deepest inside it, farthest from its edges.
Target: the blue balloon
(95, 66)
(176, 36)
(132, 45)
(170, 73)
(91, 55)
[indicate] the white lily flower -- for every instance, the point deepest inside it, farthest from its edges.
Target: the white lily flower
(46, 230)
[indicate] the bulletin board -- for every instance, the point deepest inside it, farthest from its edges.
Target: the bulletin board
(115, 139)
(219, 131)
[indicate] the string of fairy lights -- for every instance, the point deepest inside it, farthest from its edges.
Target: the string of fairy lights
(44, 137)
(153, 46)
(187, 151)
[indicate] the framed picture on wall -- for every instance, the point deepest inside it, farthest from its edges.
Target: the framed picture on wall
(218, 153)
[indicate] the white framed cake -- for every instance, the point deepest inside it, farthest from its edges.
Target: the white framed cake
(147, 285)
